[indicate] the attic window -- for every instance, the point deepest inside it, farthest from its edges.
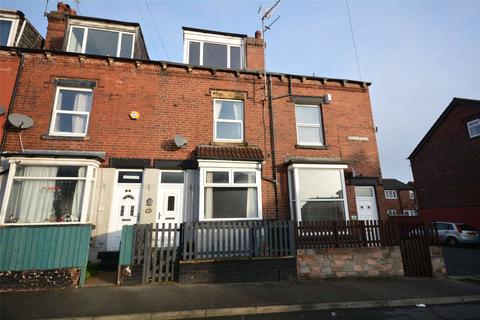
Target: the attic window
(7, 31)
(474, 128)
(101, 42)
(213, 50)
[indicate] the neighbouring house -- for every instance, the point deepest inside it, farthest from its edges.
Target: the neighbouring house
(120, 139)
(15, 31)
(445, 165)
(400, 198)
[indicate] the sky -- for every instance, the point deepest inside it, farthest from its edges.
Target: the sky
(417, 54)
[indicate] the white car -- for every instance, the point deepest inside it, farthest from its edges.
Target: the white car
(454, 234)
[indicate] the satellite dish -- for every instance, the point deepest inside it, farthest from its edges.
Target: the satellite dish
(180, 141)
(20, 121)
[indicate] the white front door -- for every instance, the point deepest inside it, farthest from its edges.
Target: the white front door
(170, 200)
(125, 206)
(366, 205)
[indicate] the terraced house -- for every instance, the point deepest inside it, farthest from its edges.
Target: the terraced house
(118, 138)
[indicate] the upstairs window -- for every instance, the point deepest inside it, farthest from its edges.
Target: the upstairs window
(7, 31)
(474, 128)
(309, 125)
(71, 112)
(101, 42)
(228, 120)
(390, 194)
(411, 194)
(212, 50)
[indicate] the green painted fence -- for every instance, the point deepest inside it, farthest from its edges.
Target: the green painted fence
(44, 247)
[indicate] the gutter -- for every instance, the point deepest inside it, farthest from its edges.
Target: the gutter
(12, 100)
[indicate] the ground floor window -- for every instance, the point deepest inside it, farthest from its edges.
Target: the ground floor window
(228, 193)
(317, 192)
(410, 213)
(48, 192)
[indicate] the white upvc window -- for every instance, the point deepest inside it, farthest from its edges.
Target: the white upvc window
(230, 190)
(410, 213)
(391, 212)
(390, 194)
(228, 120)
(71, 112)
(45, 191)
(8, 29)
(411, 194)
(474, 128)
(103, 42)
(213, 50)
(309, 125)
(314, 201)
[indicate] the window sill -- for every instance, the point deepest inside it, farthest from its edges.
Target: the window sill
(301, 146)
(229, 143)
(50, 137)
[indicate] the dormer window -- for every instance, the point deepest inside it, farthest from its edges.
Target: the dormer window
(8, 28)
(214, 50)
(101, 42)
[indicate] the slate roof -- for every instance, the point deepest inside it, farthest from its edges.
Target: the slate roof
(394, 184)
(239, 153)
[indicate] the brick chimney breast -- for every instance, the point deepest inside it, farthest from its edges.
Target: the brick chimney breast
(57, 24)
(255, 52)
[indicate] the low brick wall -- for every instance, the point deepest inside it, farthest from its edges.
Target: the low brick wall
(237, 270)
(438, 263)
(349, 262)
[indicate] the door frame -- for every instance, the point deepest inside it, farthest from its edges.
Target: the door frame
(114, 203)
(373, 198)
(166, 186)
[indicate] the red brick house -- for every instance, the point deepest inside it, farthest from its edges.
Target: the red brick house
(119, 138)
(400, 198)
(445, 165)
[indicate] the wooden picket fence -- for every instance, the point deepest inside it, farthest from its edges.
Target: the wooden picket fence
(157, 249)
(238, 239)
(352, 234)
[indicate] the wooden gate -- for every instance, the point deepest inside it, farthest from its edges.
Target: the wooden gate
(150, 251)
(416, 258)
(415, 240)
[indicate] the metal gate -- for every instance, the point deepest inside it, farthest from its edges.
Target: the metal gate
(416, 258)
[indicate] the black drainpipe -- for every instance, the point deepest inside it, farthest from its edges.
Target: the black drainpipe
(272, 143)
(12, 101)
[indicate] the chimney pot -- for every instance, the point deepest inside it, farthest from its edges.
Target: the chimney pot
(258, 34)
(65, 8)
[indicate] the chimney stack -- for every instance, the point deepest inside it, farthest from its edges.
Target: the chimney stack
(255, 52)
(57, 24)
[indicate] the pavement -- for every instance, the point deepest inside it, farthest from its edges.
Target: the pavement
(463, 311)
(175, 301)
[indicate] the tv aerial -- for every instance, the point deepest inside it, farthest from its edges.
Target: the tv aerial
(266, 25)
(21, 122)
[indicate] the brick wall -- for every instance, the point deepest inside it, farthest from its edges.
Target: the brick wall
(176, 100)
(446, 168)
(8, 73)
(349, 114)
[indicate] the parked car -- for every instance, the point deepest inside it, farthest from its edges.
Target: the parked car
(454, 234)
